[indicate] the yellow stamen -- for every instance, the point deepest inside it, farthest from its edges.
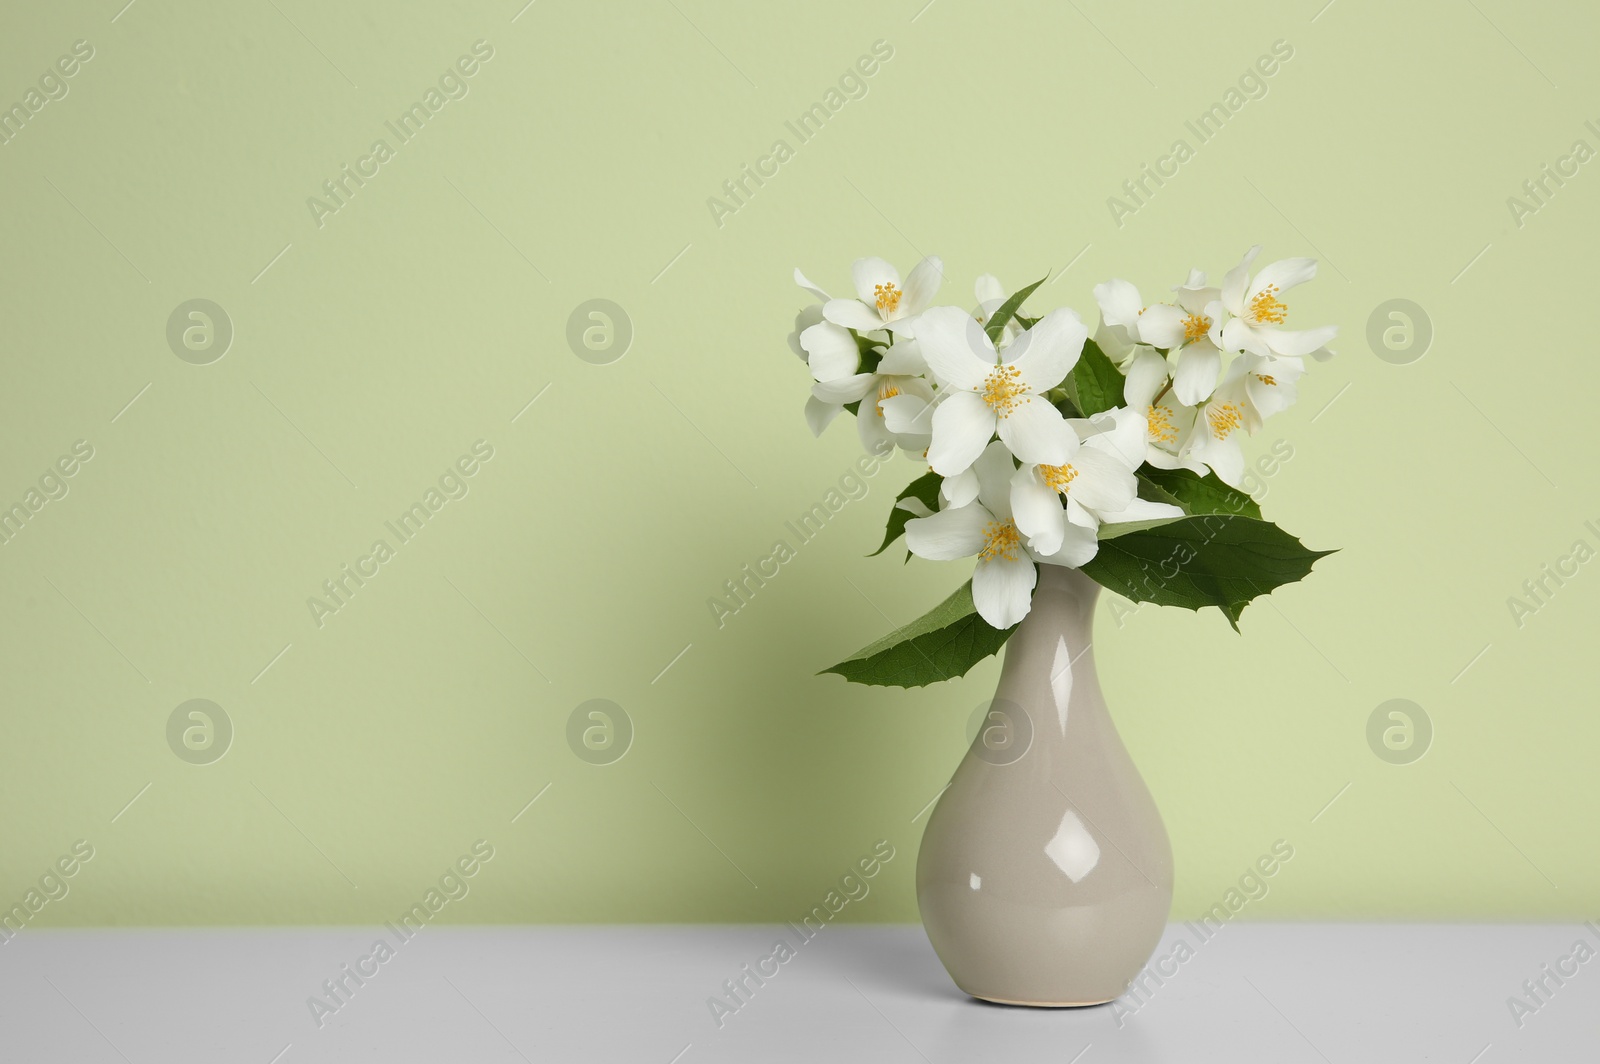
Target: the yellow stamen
(1000, 540)
(1195, 326)
(1004, 390)
(888, 391)
(1266, 307)
(1268, 379)
(1224, 418)
(1058, 477)
(888, 297)
(1160, 421)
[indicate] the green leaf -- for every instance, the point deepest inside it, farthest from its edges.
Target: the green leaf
(870, 355)
(1095, 383)
(945, 642)
(1195, 493)
(1123, 528)
(1063, 402)
(1150, 491)
(997, 320)
(1221, 560)
(926, 488)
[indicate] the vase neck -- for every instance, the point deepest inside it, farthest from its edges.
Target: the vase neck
(1065, 597)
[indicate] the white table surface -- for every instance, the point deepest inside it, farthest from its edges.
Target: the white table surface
(1261, 994)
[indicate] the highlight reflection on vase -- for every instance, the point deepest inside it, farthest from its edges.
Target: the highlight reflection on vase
(1045, 874)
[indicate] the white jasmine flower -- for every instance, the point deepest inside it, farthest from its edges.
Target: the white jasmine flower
(1192, 328)
(883, 303)
(1269, 385)
(1214, 439)
(832, 355)
(1092, 478)
(1120, 310)
(831, 351)
(1257, 310)
(1004, 576)
(988, 396)
(898, 376)
(810, 315)
(1168, 423)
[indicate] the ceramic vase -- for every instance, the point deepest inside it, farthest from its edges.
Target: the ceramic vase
(1045, 875)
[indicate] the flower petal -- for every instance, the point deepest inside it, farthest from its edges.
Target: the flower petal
(1119, 301)
(1002, 588)
(801, 280)
(868, 274)
(962, 426)
(819, 414)
(1237, 336)
(1195, 296)
(906, 413)
(959, 489)
(922, 285)
(875, 435)
(995, 469)
(904, 358)
(852, 314)
(843, 389)
(955, 348)
(1079, 515)
(1103, 482)
(1147, 374)
(1223, 456)
(1078, 546)
(1195, 377)
(1164, 460)
(948, 534)
(988, 288)
(1285, 273)
(1161, 325)
(1273, 398)
(1121, 433)
(811, 315)
(1114, 342)
(1046, 353)
(1284, 342)
(1036, 508)
(832, 351)
(1234, 281)
(1034, 431)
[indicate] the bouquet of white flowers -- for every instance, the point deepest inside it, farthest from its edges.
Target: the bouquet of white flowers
(1117, 455)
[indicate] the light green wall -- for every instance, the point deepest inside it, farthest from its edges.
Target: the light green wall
(425, 313)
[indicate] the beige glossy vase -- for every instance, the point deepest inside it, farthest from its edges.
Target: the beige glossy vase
(1045, 875)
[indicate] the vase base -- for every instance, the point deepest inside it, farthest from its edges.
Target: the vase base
(1043, 1004)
